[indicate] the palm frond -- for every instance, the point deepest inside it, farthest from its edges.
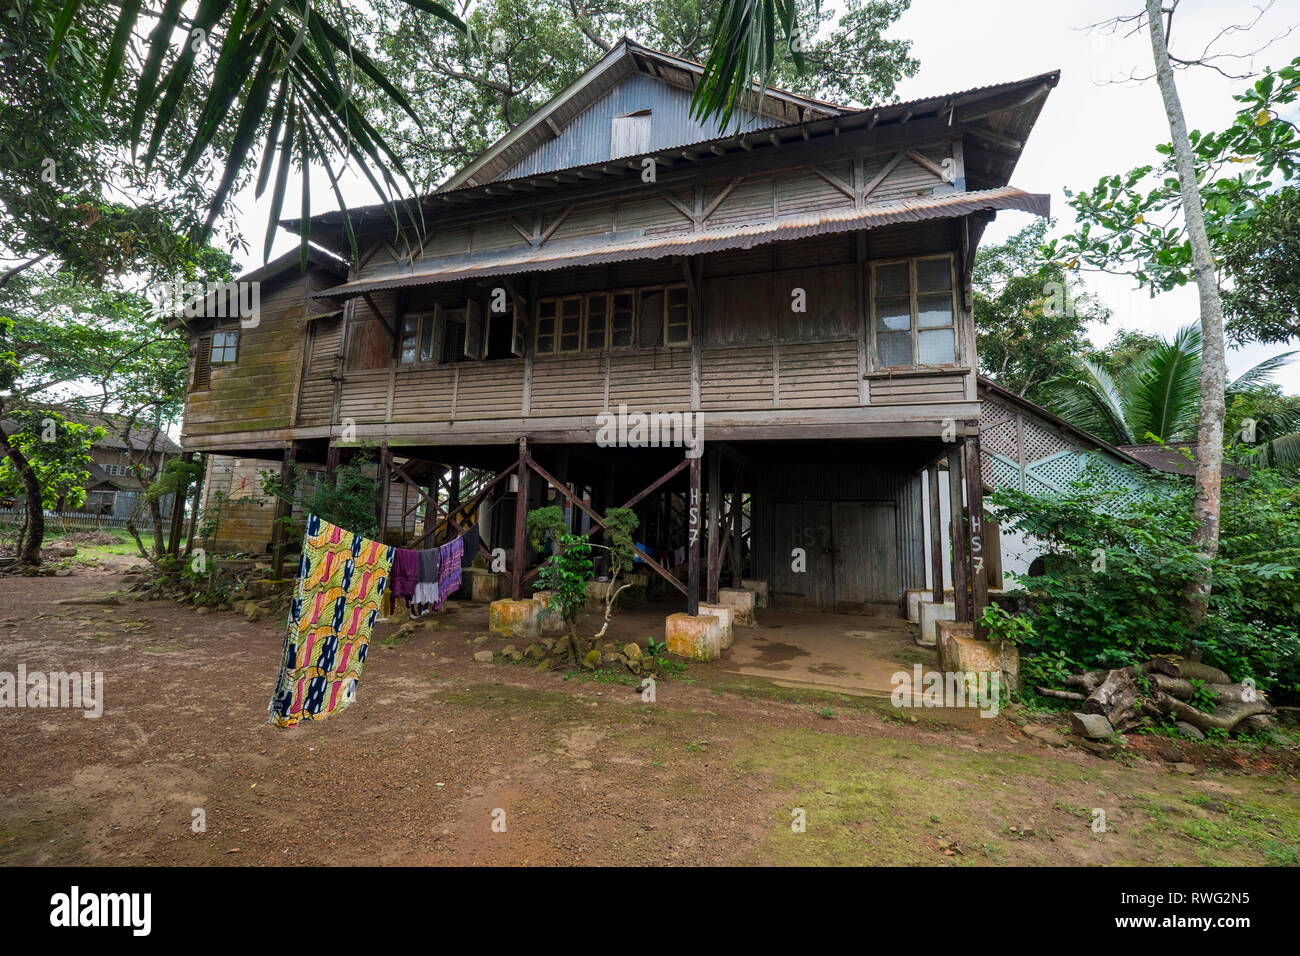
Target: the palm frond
(1162, 388)
(1284, 452)
(1089, 398)
(279, 57)
(743, 52)
(1257, 376)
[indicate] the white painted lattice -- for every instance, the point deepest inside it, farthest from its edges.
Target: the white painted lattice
(1041, 443)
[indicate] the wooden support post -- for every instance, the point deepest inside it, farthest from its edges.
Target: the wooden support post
(178, 515)
(521, 525)
(936, 533)
(961, 596)
(453, 496)
(693, 527)
(737, 530)
(283, 509)
(715, 524)
(975, 511)
(332, 465)
(381, 506)
(198, 500)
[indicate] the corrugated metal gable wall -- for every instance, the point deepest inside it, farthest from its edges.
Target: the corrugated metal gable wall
(588, 138)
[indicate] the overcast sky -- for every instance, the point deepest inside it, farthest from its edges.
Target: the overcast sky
(1089, 127)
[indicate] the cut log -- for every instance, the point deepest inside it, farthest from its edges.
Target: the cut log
(1225, 717)
(1102, 700)
(1063, 694)
(1178, 687)
(1087, 681)
(1189, 670)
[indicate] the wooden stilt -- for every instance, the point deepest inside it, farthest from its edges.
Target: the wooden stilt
(715, 523)
(521, 525)
(975, 518)
(693, 527)
(936, 534)
(737, 530)
(961, 596)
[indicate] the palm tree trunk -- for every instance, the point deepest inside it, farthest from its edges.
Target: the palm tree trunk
(1209, 433)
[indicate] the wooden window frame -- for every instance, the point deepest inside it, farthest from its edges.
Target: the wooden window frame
(608, 296)
(690, 316)
(422, 318)
(586, 320)
(913, 296)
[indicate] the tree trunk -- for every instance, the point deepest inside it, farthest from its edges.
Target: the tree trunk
(29, 547)
(1209, 432)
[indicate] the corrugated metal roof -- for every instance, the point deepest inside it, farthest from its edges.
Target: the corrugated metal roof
(586, 252)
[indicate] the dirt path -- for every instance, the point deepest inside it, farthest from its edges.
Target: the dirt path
(437, 747)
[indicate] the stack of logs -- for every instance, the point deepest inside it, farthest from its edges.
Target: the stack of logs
(1166, 685)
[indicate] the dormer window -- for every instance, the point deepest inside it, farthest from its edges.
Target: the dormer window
(630, 134)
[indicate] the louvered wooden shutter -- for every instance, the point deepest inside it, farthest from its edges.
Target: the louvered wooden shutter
(203, 363)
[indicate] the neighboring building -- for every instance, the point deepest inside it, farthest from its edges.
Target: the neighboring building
(113, 488)
(1025, 447)
(1176, 458)
(803, 286)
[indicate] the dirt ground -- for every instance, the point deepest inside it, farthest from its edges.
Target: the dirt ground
(578, 768)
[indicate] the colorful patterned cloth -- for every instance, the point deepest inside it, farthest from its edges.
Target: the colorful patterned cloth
(449, 570)
(341, 582)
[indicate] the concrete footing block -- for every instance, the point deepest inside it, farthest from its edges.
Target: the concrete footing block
(698, 637)
(515, 618)
(929, 615)
(759, 588)
(742, 602)
(960, 650)
(726, 616)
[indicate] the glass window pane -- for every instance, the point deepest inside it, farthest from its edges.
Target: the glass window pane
(622, 321)
(546, 326)
(894, 348)
(892, 279)
(679, 317)
(410, 329)
(936, 347)
(651, 318)
(571, 325)
(426, 339)
(597, 321)
(894, 315)
(933, 311)
(933, 275)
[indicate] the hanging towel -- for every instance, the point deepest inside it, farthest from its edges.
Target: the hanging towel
(449, 556)
(406, 570)
(426, 581)
(470, 549)
(341, 581)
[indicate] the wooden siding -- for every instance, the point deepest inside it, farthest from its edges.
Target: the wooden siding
(316, 398)
(257, 391)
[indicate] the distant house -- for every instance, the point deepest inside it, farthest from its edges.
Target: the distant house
(114, 488)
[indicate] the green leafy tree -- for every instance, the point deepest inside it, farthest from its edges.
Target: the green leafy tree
(469, 92)
(56, 452)
(1031, 315)
(1263, 302)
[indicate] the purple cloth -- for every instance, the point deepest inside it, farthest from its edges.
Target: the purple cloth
(406, 569)
(449, 570)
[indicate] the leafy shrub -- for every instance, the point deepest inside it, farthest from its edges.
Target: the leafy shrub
(1113, 590)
